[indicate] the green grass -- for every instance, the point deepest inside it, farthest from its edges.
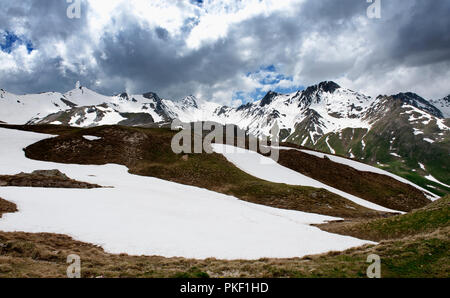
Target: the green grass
(434, 216)
(147, 152)
(425, 220)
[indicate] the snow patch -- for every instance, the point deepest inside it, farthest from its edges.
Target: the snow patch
(149, 216)
(92, 138)
(431, 178)
(421, 165)
(364, 167)
(267, 169)
(329, 147)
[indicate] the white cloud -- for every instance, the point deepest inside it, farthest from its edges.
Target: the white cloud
(177, 47)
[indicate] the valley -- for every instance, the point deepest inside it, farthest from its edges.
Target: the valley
(195, 214)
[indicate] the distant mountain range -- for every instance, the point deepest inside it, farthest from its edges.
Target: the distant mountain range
(402, 133)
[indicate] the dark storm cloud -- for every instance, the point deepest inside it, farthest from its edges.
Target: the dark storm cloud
(144, 58)
(422, 35)
(149, 60)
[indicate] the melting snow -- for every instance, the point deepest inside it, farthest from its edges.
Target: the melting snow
(417, 132)
(149, 216)
(365, 167)
(329, 147)
(92, 138)
(431, 178)
(267, 169)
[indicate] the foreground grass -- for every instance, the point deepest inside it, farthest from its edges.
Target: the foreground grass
(425, 220)
(420, 250)
(44, 255)
(412, 245)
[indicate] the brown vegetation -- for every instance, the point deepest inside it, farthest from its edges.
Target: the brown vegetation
(7, 207)
(424, 220)
(43, 178)
(44, 255)
(379, 189)
(147, 152)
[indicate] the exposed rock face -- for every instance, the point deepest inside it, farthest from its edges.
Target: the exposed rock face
(268, 98)
(418, 102)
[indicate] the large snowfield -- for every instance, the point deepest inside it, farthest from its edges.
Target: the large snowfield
(149, 216)
(267, 169)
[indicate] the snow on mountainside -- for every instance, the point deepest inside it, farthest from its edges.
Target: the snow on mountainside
(158, 217)
(418, 102)
(267, 169)
(394, 132)
(443, 105)
(17, 109)
(315, 111)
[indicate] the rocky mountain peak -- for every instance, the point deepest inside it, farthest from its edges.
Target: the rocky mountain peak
(268, 98)
(328, 86)
(124, 96)
(153, 96)
(419, 102)
(312, 93)
(190, 101)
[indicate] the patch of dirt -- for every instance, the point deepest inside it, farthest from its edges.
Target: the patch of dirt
(7, 207)
(379, 189)
(44, 178)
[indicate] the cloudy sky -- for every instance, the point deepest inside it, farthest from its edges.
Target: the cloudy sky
(229, 51)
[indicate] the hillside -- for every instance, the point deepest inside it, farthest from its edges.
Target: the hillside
(420, 221)
(147, 152)
(405, 140)
(423, 254)
(142, 215)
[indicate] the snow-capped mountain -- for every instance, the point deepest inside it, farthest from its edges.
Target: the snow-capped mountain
(404, 131)
(419, 102)
(443, 105)
(307, 115)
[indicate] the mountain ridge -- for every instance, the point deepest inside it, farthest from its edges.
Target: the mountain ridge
(403, 133)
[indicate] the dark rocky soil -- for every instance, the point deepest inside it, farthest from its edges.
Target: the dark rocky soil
(7, 207)
(43, 178)
(379, 189)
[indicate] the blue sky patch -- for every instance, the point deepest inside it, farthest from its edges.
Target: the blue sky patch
(267, 76)
(197, 2)
(9, 40)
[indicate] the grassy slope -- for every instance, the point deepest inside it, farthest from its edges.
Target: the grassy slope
(419, 250)
(425, 220)
(147, 152)
(44, 255)
(379, 189)
(412, 148)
